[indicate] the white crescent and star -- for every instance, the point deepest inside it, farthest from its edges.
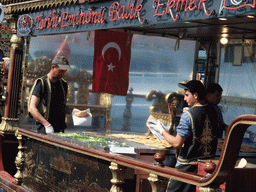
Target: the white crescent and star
(111, 67)
(106, 47)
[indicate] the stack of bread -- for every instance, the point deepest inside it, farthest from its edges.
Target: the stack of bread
(81, 114)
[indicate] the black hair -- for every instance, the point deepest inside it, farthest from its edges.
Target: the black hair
(212, 87)
(194, 86)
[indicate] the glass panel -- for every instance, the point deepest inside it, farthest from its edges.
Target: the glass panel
(239, 87)
(154, 66)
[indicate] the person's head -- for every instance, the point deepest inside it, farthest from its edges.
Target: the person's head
(194, 92)
(213, 93)
(59, 67)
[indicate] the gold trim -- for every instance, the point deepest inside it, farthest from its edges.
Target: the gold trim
(36, 5)
(9, 125)
(153, 180)
(25, 2)
(118, 173)
(210, 189)
(157, 184)
(19, 160)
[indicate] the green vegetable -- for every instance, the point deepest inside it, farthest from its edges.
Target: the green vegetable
(92, 140)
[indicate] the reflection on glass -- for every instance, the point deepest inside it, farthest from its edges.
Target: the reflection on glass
(154, 66)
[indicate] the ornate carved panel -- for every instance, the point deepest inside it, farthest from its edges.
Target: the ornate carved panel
(51, 168)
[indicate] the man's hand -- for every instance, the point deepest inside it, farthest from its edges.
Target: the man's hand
(49, 129)
(156, 125)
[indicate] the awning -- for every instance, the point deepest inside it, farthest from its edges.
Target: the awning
(202, 19)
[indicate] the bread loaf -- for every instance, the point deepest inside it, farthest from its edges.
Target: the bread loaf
(81, 114)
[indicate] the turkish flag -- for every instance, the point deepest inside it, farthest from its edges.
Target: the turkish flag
(112, 54)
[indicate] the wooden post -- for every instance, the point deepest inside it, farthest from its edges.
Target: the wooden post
(118, 174)
(19, 161)
(10, 120)
(154, 182)
(158, 185)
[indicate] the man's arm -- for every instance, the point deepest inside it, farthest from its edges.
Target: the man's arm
(34, 111)
(176, 141)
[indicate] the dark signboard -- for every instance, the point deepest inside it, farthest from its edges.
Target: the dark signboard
(127, 13)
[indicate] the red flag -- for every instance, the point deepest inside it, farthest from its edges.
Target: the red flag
(112, 54)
